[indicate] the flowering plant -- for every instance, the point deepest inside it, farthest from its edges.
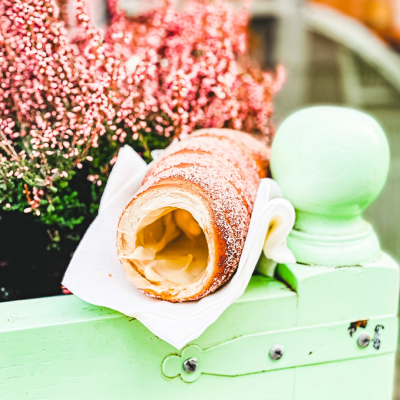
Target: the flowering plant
(67, 104)
(185, 72)
(52, 106)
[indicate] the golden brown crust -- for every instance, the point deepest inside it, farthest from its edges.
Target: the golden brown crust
(222, 172)
(208, 286)
(252, 147)
(220, 148)
(245, 186)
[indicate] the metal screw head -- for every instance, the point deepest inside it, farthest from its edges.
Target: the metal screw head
(364, 339)
(190, 365)
(276, 352)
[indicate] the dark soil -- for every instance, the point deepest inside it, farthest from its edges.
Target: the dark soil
(31, 263)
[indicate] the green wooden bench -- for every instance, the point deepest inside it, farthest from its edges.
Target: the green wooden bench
(63, 348)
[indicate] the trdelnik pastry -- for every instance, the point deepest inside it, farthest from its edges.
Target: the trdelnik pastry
(182, 235)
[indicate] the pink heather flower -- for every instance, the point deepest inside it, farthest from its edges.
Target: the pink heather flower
(54, 93)
(182, 71)
(165, 72)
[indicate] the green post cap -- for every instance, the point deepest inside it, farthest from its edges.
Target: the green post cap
(331, 163)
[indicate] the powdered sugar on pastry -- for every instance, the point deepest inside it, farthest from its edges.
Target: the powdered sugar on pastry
(182, 235)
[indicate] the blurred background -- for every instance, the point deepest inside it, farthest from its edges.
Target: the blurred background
(342, 52)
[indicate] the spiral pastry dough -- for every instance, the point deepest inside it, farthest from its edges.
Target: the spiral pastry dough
(182, 235)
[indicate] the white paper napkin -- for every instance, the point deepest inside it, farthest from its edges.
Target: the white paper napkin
(96, 275)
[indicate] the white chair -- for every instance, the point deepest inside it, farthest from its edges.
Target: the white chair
(370, 69)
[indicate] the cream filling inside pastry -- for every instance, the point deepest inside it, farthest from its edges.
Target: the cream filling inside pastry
(165, 249)
(171, 250)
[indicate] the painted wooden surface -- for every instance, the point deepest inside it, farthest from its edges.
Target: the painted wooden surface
(64, 348)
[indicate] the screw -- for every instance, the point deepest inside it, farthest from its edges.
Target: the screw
(364, 339)
(276, 352)
(190, 365)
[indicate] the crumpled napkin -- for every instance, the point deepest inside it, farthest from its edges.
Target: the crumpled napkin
(96, 275)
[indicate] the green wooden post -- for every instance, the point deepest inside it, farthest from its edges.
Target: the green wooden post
(331, 163)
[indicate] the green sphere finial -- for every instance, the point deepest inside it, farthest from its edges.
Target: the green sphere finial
(331, 163)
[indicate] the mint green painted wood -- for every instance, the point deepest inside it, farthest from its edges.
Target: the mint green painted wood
(276, 309)
(361, 379)
(329, 294)
(64, 348)
(331, 163)
(303, 346)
